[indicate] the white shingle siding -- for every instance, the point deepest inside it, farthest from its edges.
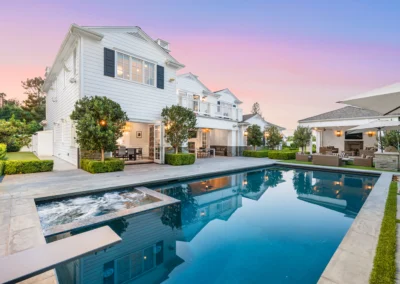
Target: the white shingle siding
(141, 102)
(60, 103)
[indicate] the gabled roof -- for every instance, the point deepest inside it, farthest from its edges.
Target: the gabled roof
(232, 94)
(195, 78)
(248, 116)
(75, 31)
(347, 112)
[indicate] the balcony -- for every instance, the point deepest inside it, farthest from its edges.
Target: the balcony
(207, 109)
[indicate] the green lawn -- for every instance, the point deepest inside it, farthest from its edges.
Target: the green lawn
(345, 166)
(384, 270)
(21, 156)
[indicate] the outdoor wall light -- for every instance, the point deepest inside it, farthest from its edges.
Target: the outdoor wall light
(370, 133)
(245, 182)
(338, 133)
(266, 134)
(246, 133)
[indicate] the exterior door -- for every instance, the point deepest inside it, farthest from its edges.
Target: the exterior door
(159, 143)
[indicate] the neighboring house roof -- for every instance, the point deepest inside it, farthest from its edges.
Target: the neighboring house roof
(232, 94)
(248, 116)
(344, 113)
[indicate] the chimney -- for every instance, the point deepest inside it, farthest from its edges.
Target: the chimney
(164, 44)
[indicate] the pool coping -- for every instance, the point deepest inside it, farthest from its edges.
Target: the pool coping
(163, 200)
(353, 260)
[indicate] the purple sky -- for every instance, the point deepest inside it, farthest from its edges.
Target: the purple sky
(296, 60)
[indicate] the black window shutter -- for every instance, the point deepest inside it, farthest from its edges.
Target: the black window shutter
(109, 62)
(160, 77)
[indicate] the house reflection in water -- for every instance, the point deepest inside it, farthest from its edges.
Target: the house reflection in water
(147, 253)
(336, 191)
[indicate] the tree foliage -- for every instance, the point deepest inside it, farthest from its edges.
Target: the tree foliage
(99, 123)
(17, 133)
(302, 136)
(256, 109)
(273, 137)
(254, 136)
(390, 138)
(11, 109)
(179, 122)
(36, 101)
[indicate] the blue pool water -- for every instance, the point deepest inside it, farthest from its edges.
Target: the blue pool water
(275, 225)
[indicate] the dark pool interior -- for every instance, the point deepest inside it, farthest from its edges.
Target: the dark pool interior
(271, 225)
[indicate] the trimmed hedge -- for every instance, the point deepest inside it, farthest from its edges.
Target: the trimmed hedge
(96, 167)
(255, 154)
(384, 270)
(282, 155)
(13, 167)
(3, 151)
(2, 165)
(180, 159)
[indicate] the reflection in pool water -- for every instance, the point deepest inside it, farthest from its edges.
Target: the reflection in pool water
(275, 225)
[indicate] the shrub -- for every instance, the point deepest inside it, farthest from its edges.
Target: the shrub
(96, 166)
(3, 151)
(255, 154)
(13, 146)
(282, 155)
(2, 164)
(179, 159)
(26, 167)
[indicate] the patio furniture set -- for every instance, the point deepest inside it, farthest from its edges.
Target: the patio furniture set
(132, 153)
(330, 156)
(203, 152)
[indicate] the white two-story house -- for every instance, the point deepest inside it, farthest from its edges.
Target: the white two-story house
(122, 63)
(126, 65)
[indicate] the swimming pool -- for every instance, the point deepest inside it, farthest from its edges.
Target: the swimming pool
(273, 225)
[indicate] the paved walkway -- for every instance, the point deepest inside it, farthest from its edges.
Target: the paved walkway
(59, 165)
(19, 222)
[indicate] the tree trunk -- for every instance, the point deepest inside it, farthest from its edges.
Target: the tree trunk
(176, 150)
(254, 147)
(102, 154)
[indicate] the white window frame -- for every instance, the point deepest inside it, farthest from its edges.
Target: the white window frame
(130, 69)
(130, 264)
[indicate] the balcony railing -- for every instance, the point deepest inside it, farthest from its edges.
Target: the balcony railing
(209, 109)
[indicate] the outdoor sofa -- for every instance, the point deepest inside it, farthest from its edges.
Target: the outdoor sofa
(302, 157)
(220, 150)
(327, 160)
(364, 162)
(332, 149)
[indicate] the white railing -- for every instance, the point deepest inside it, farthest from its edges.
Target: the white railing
(210, 109)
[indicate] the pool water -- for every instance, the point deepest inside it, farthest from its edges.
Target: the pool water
(274, 225)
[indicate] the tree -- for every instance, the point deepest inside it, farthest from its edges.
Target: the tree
(179, 122)
(255, 109)
(302, 136)
(273, 137)
(390, 138)
(99, 122)
(9, 110)
(36, 101)
(17, 133)
(254, 136)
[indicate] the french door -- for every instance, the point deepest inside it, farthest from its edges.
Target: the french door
(159, 143)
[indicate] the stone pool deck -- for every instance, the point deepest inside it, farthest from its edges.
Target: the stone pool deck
(20, 227)
(19, 222)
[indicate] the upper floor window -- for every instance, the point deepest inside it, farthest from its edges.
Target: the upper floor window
(135, 69)
(149, 74)
(123, 66)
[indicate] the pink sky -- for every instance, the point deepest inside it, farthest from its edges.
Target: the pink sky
(294, 68)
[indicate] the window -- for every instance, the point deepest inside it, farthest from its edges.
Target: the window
(137, 72)
(204, 139)
(135, 69)
(123, 66)
(74, 62)
(149, 73)
(135, 264)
